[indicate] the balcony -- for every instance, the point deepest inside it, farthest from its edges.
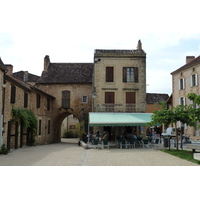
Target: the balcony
(128, 108)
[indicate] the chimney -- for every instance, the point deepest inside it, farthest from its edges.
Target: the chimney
(26, 76)
(189, 59)
(10, 69)
(139, 46)
(46, 63)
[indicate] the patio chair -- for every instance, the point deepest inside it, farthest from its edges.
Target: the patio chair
(123, 143)
(131, 143)
(145, 143)
(95, 143)
(105, 143)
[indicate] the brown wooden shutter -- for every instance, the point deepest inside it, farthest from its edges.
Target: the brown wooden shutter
(109, 97)
(109, 74)
(130, 97)
(37, 100)
(136, 74)
(124, 74)
(66, 99)
(25, 99)
(13, 94)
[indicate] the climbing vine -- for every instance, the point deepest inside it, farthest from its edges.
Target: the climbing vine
(28, 121)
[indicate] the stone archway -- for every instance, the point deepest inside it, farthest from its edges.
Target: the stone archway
(57, 125)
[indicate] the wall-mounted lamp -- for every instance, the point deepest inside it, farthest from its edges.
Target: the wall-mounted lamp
(4, 86)
(94, 95)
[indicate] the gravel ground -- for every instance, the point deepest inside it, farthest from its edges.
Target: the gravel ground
(68, 153)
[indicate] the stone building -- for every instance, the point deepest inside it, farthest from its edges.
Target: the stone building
(185, 80)
(119, 85)
(2, 95)
(71, 84)
(21, 95)
(153, 100)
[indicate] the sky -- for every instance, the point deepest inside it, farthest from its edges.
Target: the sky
(70, 31)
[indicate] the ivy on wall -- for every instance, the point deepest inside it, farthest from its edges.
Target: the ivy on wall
(28, 121)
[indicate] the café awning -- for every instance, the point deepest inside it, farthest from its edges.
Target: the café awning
(119, 119)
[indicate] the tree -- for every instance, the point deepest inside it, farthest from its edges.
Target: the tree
(184, 114)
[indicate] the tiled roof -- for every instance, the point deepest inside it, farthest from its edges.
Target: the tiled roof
(26, 86)
(118, 51)
(152, 98)
(62, 73)
(31, 77)
(188, 65)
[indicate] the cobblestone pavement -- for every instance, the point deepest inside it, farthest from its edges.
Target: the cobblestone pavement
(68, 153)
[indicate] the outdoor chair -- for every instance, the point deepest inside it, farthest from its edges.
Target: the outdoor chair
(131, 143)
(123, 143)
(156, 142)
(95, 143)
(145, 143)
(105, 143)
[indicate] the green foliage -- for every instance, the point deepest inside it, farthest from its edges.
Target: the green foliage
(70, 134)
(28, 120)
(80, 129)
(4, 150)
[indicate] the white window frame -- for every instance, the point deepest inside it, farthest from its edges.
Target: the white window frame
(84, 99)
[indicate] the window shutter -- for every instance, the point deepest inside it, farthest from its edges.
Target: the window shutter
(191, 82)
(66, 99)
(179, 101)
(13, 94)
(25, 99)
(124, 74)
(179, 84)
(196, 80)
(136, 74)
(109, 97)
(109, 74)
(184, 101)
(183, 83)
(130, 97)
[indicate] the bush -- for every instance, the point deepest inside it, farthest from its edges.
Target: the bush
(4, 150)
(70, 134)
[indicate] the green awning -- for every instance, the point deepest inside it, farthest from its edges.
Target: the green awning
(119, 119)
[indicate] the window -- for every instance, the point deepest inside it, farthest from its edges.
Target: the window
(130, 97)
(25, 99)
(194, 80)
(40, 127)
(182, 101)
(49, 127)
(13, 94)
(181, 84)
(66, 99)
(109, 101)
(85, 99)
(110, 97)
(37, 100)
(48, 104)
(130, 74)
(109, 74)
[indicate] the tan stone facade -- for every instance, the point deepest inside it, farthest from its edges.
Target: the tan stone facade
(124, 64)
(20, 95)
(119, 85)
(185, 80)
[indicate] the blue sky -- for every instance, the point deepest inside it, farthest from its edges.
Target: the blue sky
(70, 31)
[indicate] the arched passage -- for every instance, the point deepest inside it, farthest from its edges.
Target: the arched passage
(57, 125)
